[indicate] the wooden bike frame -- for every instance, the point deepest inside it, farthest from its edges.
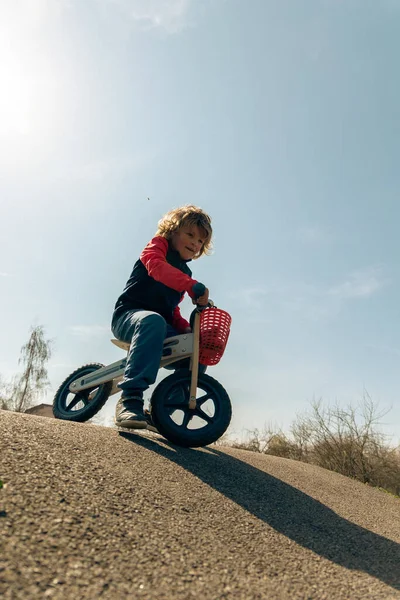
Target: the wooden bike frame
(194, 361)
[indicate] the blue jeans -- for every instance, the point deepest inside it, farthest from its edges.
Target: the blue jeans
(145, 331)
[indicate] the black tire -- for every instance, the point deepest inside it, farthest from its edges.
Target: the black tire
(65, 403)
(170, 401)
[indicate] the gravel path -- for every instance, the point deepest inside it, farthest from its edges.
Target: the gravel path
(87, 512)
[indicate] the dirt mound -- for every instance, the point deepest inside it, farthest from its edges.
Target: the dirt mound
(88, 512)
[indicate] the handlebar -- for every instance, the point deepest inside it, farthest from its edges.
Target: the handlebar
(199, 289)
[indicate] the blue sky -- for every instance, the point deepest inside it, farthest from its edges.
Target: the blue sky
(281, 119)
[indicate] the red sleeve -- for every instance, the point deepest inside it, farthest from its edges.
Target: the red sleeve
(154, 259)
(178, 322)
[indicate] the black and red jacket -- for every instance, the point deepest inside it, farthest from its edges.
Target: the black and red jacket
(158, 282)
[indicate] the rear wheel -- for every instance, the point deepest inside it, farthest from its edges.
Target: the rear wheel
(82, 405)
(187, 427)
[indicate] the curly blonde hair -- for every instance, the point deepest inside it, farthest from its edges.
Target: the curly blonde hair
(189, 214)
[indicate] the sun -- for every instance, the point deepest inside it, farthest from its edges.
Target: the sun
(31, 90)
(16, 98)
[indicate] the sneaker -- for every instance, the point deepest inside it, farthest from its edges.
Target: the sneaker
(129, 413)
(150, 422)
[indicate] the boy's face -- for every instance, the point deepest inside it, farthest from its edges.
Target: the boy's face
(188, 241)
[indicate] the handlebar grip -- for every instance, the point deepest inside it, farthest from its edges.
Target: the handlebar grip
(198, 289)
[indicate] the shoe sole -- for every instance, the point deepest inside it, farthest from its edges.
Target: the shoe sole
(132, 424)
(152, 428)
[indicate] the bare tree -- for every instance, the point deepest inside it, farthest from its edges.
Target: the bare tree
(254, 441)
(345, 440)
(269, 440)
(302, 434)
(27, 386)
(4, 394)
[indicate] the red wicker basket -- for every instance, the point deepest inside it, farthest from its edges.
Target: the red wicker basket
(214, 333)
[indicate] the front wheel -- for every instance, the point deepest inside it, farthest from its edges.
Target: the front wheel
(82, 405)
(183, 426)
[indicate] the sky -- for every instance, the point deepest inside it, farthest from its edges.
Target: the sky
(280, 119)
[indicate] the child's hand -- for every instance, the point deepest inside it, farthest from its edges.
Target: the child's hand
(187, 330)
(203, 300)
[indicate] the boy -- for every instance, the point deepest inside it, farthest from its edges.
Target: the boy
(147, 311)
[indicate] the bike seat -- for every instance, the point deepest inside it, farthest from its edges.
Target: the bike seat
(126, 345)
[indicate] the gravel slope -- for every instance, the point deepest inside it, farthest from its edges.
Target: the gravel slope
(88, 512)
